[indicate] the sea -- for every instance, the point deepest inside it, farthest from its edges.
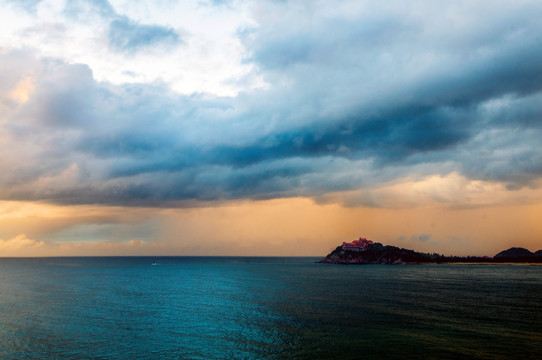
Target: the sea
(266, 308)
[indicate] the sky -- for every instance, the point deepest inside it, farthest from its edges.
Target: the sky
(269, 127)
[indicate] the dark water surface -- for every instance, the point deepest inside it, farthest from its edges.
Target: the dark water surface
(266, 308)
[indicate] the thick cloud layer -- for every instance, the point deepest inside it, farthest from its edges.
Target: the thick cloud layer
(357, 94)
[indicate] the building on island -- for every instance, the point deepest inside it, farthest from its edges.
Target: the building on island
(357, 245)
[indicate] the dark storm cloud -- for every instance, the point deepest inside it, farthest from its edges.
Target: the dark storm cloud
(129, 36)
(353, 101)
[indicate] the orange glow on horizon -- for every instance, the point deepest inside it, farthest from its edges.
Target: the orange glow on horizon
(281, 227)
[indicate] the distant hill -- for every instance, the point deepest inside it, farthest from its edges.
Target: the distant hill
(377, 253)
(514, 252)
(518, 254)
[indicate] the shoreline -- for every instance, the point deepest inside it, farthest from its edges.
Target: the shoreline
(431, 263)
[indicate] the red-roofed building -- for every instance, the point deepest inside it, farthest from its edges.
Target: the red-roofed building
(357, 245)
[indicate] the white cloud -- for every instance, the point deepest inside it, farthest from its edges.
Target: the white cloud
(18, 244)
(209, 58)
(451, 191)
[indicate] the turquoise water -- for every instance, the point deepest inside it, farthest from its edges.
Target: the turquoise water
(266, 308)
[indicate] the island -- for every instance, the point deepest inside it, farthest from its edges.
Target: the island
(364, 251)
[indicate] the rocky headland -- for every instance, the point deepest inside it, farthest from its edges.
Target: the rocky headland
(365, 251)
